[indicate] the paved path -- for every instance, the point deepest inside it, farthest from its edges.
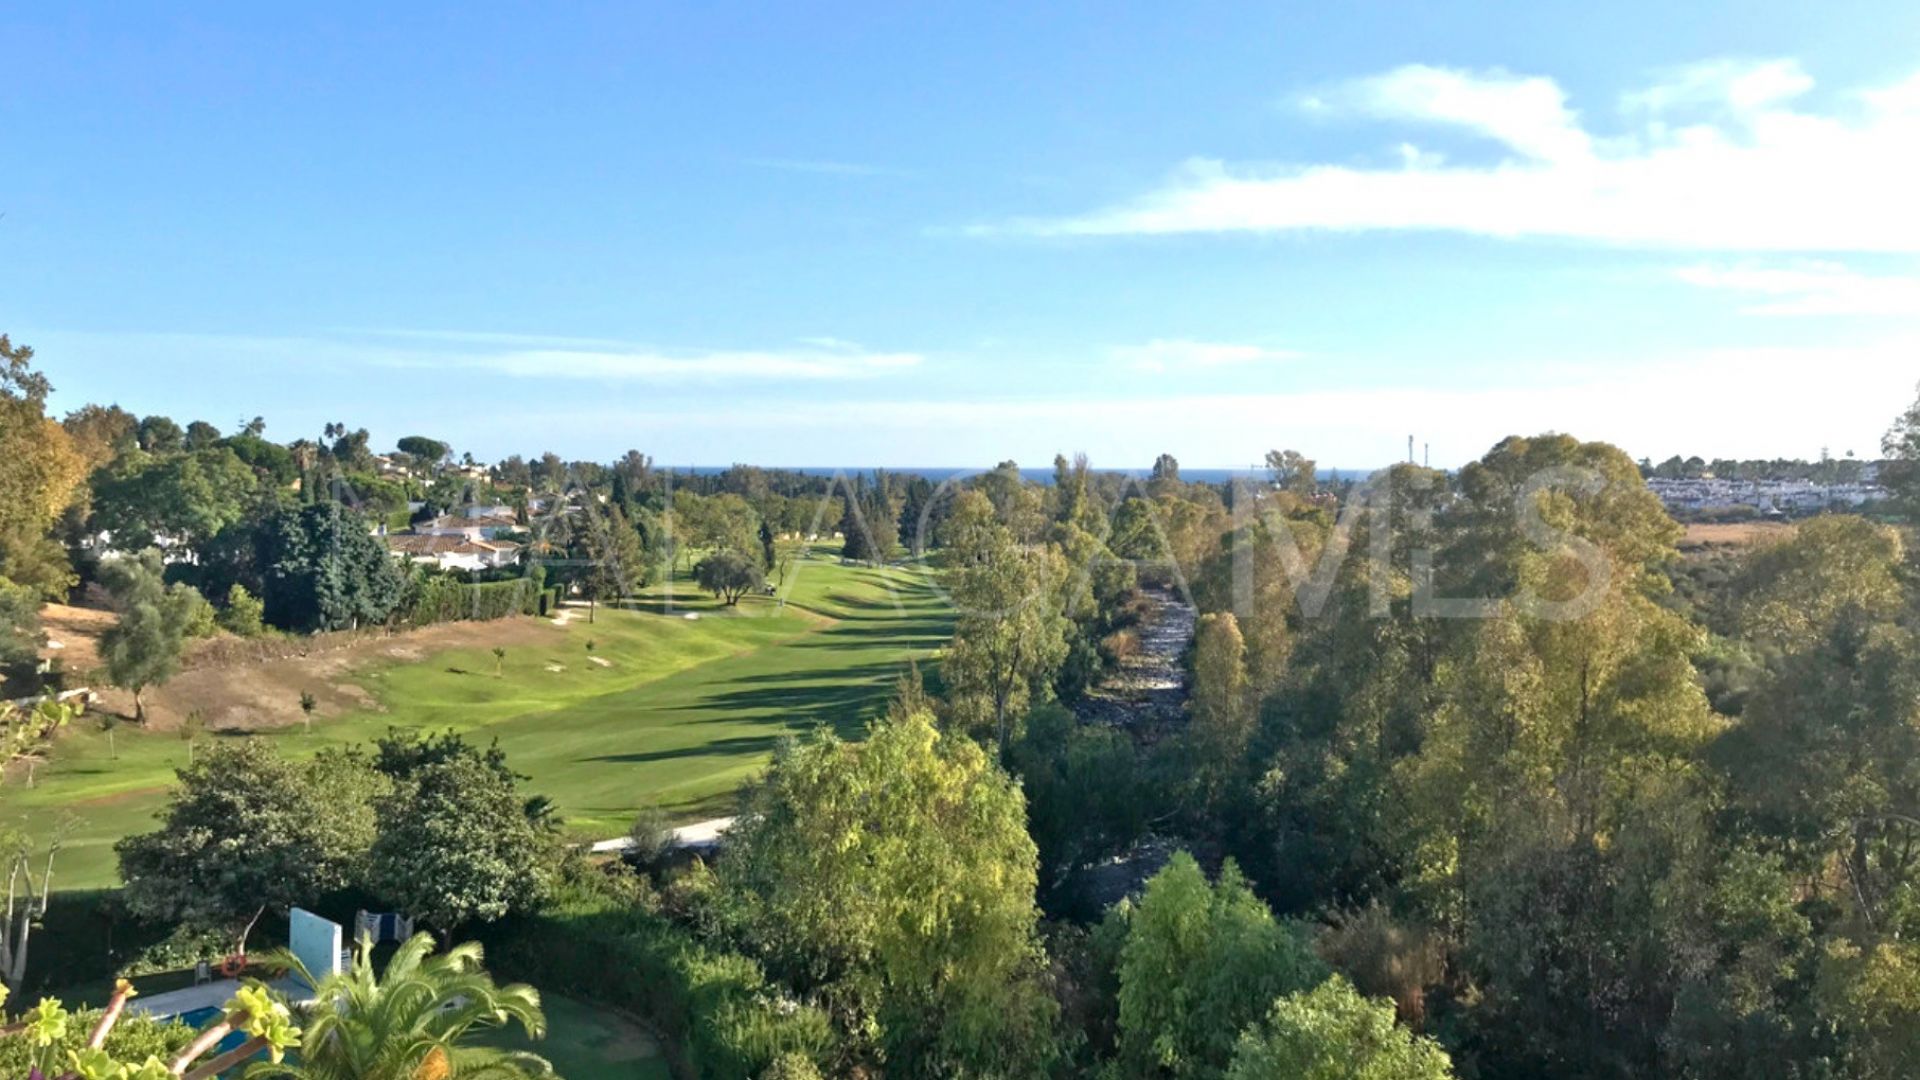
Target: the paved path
(700, 834)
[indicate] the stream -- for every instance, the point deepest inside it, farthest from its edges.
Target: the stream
(1147, 693)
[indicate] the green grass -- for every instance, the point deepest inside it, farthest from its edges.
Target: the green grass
(681, 714)
(586, 1042)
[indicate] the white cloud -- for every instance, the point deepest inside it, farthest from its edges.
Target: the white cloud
(1811, 288)
(1176, 355)
(1527, 114)
(1719, 402)
(1717, 157)
(1739, 85)
(535, 356)
(651, 365)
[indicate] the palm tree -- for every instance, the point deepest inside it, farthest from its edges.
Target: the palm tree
(411, 1022)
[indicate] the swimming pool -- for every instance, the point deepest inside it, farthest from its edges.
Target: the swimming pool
(199, 1018)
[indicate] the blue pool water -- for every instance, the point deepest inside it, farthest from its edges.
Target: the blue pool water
(199, 1018)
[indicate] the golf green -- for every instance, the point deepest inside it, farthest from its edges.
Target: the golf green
(671, 700)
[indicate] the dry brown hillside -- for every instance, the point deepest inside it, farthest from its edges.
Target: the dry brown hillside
(248, 685)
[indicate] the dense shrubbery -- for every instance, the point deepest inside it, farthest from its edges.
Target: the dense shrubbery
(135, 1038)
(431, 824)
(602, 938)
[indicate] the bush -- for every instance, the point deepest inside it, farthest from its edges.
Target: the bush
(792, 1067)
(1385, 959)
(186, 946)
(652, 836)
(245, 614)
(134, 1038)
(1333, 1033)
(200, 620)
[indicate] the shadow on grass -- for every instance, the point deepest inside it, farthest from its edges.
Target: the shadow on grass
(734, 747)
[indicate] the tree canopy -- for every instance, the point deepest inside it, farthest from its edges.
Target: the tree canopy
(143, 647)
(248, 830)
(729, 575)
(896, 876)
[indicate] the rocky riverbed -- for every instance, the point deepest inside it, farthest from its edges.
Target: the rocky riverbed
(1147, 693)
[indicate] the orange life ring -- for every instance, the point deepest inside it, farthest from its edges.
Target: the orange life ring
(233, 965)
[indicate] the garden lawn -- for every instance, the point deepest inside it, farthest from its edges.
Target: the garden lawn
(587, 1042)
(642, 706)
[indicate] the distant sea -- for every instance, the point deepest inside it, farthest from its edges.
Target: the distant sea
(1040, 476)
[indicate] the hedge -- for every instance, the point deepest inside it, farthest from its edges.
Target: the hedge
(716, 1011)
(446, 599)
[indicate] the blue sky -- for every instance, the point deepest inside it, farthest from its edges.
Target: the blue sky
(948, 235)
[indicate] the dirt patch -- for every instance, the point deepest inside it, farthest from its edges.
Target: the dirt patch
(1734, 534)
(253, 695)
(73, 635)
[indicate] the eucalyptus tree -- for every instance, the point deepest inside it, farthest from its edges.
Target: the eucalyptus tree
(1009, 635)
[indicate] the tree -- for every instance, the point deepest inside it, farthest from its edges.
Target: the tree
(1332, 1033)
(184, 498)
(856, 539)
(895, 876)
(192, 726)
(1790, 594)
(1827, 757)
(200, 435)
(319, 568)
(143, 648)
(726, 522)
(880, 517)
(270, 461)
(108, 724)
(514, 472)
(20, 637)
(616, 560)
(39, 473)
(1165, 478)
(1200, 963)
(160, 435)
(1222, 712)
(456, 844)
(1901, 447)
(1086, 795)
(101, 433)
(429, 452)
(729, 575)
(417, 1020)
(1010, 636)
(26, 901)
(919, 518)
(352, 449)
(1292, 471)
(248, 830)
